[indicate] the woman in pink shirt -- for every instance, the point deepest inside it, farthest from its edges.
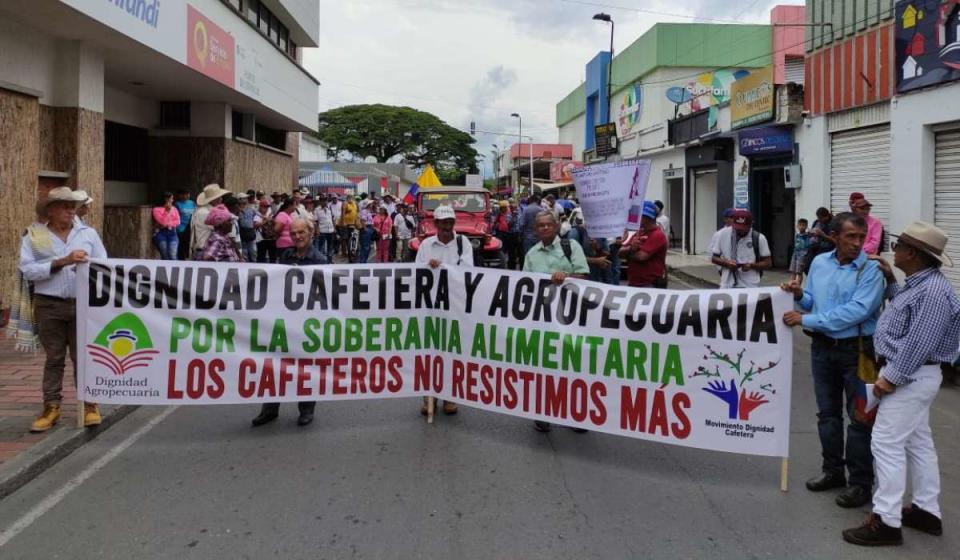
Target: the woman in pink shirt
(383, 225)
(860, 206)
(282, 222)
(166, 218)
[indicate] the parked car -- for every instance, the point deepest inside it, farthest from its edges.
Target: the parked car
(472, 206)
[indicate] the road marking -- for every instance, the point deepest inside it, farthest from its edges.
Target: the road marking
(53, 499)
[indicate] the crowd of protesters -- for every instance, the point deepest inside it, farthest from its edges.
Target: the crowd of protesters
(838, 280)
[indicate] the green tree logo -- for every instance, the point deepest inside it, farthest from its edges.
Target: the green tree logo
(123, 344)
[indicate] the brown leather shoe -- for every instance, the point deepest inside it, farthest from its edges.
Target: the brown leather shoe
(874, 532)
(49, 417)
(91, 415)
(449, 408)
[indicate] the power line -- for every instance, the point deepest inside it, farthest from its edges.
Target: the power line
(646, 11)
(751, 59)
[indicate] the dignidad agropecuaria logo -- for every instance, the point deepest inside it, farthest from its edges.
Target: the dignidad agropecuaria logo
(124, 344)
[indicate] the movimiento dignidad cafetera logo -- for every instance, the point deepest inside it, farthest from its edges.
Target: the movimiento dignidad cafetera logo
(124, 344)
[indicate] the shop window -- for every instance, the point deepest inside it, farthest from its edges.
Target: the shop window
(283, 38)
(251, 10)
(174, 114)
(263, 19)
(292, 49)
(125, 153)
(271, 137)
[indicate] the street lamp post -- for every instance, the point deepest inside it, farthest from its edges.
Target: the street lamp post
(520, 138)
(606, 17)
(496, 166)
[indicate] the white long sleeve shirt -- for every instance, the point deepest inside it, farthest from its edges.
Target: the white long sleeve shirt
(62, 283)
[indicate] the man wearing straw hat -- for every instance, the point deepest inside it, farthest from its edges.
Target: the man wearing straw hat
(49, 254)
(919, 330)
(199, 230)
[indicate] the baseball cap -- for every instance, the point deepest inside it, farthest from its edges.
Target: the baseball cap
(728, 213)
(444, 213)
(650, 210)
(742, 220)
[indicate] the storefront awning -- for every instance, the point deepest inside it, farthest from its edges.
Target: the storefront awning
(326, 178)
(545, 186)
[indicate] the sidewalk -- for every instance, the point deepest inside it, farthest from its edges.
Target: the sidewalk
(24, 455)
(698, 270)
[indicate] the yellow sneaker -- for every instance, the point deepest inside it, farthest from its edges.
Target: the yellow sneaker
(50, 416)
(91, 415)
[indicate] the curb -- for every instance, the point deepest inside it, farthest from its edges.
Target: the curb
(63, 441)
(690, 278)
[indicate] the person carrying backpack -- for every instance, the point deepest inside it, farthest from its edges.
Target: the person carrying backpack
(560, 258)
(741, 252)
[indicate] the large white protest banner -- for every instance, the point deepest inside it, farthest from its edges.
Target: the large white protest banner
(707, 369)
(608, 192)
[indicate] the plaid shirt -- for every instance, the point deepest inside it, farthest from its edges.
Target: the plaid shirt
(921, 324)
(219, 248)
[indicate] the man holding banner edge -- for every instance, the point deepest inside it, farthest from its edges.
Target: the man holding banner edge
(839, 308)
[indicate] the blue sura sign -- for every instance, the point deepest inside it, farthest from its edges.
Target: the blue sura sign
(147, 11)
(765, 140)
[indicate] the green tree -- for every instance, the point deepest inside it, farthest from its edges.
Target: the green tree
(385, 132)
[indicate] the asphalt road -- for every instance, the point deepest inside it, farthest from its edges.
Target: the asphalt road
(371, 479)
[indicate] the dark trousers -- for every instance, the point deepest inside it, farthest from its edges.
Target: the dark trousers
(267, 251)
(510, 249)
(302, 406)
(835, 378)
(183, 248)
(57, 319)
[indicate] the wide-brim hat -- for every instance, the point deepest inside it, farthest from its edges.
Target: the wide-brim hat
(210, 193)
(927, 238)
(85, 198)
(65, 194)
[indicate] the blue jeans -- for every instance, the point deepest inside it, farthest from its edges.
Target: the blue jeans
(249, 249)
(166, 242)
(366, 238)
(324, 242)
(835, 377)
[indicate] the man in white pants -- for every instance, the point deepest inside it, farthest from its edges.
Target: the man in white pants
(919, 330)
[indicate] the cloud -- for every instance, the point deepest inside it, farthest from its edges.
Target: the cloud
(469, 60)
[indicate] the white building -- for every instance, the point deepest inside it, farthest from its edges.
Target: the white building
(128, 99)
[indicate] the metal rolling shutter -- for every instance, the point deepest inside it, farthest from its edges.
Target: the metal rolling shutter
(793, 70)
(860, 162)
(947, 196)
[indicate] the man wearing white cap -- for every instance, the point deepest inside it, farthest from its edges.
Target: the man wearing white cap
(919, 330)
(446, 247)
(49, 254)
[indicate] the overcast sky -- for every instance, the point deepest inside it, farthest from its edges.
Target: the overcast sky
(480, 60)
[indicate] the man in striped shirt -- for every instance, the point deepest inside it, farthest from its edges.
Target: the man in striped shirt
(919, 330)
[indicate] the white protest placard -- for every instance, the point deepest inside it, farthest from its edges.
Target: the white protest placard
(699, 368)
(607, 192)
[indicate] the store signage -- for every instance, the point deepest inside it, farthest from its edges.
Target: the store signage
(678, 95)
(751, 99)
(765, 140)
(145, 10)
(562, 171)
(631, 108)
(741, 183)
(605, 139)
(927, 43)
(210, 50)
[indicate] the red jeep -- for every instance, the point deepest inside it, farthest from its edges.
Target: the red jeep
(472, 206)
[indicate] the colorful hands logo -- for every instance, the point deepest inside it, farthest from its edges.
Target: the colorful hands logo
(122, 345)
(739, 405)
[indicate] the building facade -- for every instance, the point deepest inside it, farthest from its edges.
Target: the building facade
(883, 118)
(670, 104)
(127, 99)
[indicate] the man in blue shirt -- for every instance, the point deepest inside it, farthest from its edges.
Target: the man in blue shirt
(528, 230)
(840, 305)
(919, 330)
(186, 208)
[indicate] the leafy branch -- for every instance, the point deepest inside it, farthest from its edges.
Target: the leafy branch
(736, 364)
